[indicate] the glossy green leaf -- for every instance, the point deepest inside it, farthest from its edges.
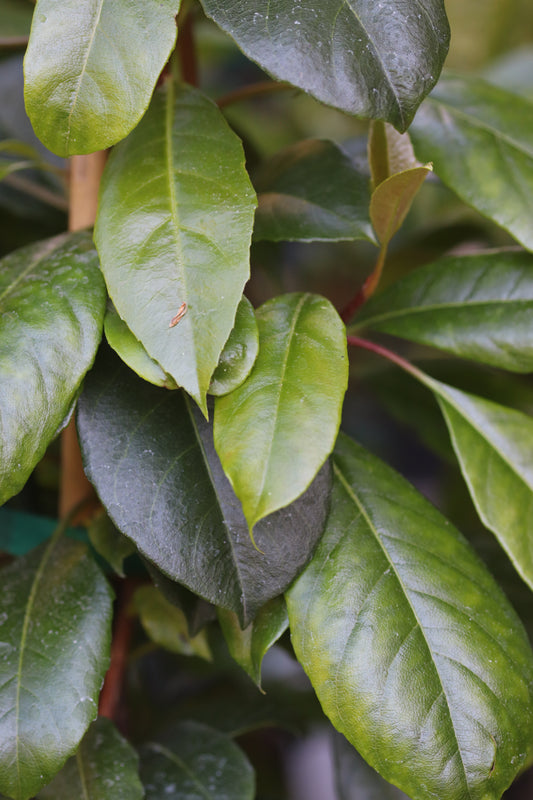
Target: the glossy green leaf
(389, 152)
(312, 191)
(150, 454)
(105, 767)
(478, 307)
(132, 352)
(54, 640)
(174, 228)
(355, 779)
(52, 302)
(239, 353)
(196, 762)
(276, 430)
(91, 66)
(166, 625)
(480, 140)
(109, 542)
(249, 646)
(494, 446)
(392, 199)
(413, 650)
(375, 60)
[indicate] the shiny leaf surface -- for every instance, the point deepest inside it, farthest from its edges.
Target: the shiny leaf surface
(52, 302)
(480, 140)
(166, 625)
(249, 646)
(150, 454)
(478, 307)
(54, 640)
(105, 767)
(239, 353)
(413, 650)
(371, 59)
(312, 191)
(196, 762)
(91, 67)
(173, 233)
(132, 352)
(494, 445)
(275, 431)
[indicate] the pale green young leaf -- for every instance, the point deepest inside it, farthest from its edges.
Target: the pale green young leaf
(275, 431)
(239, 353)
(91, 67)
(392, 199)
(173, 232)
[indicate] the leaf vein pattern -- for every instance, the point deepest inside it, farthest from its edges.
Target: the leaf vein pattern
(353, 496)
(158, 748)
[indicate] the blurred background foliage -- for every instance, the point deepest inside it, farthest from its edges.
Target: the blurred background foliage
(493, 38)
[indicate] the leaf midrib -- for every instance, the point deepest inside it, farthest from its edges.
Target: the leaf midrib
(408, 311)
(175, 759)
(275, 415)
(347, 487)
(23, 637)
(83, 71)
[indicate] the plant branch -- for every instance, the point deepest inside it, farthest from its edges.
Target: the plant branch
(39, 192)
(251, 91)
(368, 288)
(110, 696)
(384, 352)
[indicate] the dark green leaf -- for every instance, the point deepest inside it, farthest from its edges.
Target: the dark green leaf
(392, 199)
(276, 430)
(414, 652)
(52, 303)
(239, 353)
(196, 762)
(166, 625)
(375, 60)
(494, 446)
(55, 635)
(150, 455)
(110, 543)
(480, 140)
(132, 351)
(91, 66)
(173, 232)
(478, 307)
(312, 191)
(105, 767)
(249, 646)
(355, 779)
